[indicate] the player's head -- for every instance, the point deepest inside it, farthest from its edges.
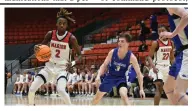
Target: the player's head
(24, 73)
(163, 28)
(78, 71)
(124, 40)
(75, 69)
(63, 19)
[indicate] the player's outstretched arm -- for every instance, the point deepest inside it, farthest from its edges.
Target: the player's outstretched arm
(103, 67)
(184, 19)
(75, 45)
(135, 64)
(47, 38)
(151, 54)
(183, 14)
(73, 42)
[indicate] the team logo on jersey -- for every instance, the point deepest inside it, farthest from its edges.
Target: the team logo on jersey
(118, 68)
(60, 46)
(119, 64)
(166, 50)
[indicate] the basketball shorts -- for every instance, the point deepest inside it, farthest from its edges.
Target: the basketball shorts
(162, 73)
(180, 66)
(52, 72)
(108, 83)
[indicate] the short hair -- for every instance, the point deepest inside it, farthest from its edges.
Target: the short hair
(127, 37)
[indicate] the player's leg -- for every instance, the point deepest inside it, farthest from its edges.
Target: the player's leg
(168, 87)
(15, 88)
(93, 88)
(26, 85)
(71, 89)
(170, 83)
(158, 92)
(182, 81)
(180, 91)
(68, 86)
(75, 89)
(98, 96)
(39, 80)
(86, 88)
(61, 86)
(29, 85)
(79, 87)
(19, 87)
(83, 88)
(53, 88)
(22, 87)
(47, 89)
(123, 93)
(90, 88)
(106, 86)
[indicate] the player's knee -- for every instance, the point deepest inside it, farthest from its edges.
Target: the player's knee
(177, 95)
(123, 93)
(70, 89)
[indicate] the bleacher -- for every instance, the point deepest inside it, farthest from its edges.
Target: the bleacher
(32, 28)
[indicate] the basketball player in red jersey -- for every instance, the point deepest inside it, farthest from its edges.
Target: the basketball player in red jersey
(58, 66)
(162, 54)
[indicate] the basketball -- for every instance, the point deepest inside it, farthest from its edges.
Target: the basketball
(43, 54)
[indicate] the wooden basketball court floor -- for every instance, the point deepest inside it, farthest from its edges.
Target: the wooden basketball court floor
(12, 100)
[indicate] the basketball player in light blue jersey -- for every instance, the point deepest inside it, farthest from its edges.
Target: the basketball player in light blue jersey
(117, 62)
(176, 92)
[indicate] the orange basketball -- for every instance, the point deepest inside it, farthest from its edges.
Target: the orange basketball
(43, 53)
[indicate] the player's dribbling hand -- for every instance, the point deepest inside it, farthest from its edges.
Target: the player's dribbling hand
(68, 66)
(142, 94)
(36, 47)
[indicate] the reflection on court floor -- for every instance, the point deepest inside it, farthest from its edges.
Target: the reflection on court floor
(78, 100)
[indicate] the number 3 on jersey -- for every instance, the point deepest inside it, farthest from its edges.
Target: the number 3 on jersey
(57, 53)
(165, 56)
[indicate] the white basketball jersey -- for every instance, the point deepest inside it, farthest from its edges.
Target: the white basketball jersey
(162, 56)
(25, 78)
(60, 50)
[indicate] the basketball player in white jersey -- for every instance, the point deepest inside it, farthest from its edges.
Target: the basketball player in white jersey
(19, 84)
(59, 64)
(178, 20)
(162, 53)
(25, 83)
